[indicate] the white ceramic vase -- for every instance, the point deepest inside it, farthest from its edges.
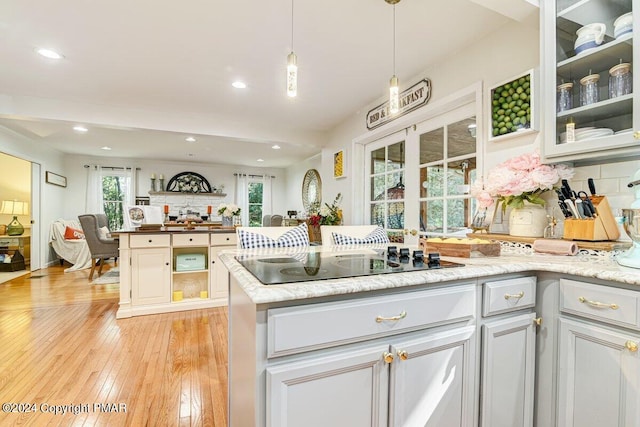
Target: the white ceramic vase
(528, 221)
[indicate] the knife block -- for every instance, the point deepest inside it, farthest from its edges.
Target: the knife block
(603, 227)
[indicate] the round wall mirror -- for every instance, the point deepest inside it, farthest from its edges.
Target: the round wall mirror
(311, 190)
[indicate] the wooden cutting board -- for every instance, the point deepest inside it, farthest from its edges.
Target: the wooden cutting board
(464, 248)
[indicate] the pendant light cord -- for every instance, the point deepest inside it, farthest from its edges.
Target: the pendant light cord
(394, 39)
(291, 25)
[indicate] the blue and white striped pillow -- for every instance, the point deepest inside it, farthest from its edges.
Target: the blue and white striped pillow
(379, 235)
(298, 236)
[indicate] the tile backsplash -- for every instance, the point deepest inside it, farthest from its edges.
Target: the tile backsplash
(611, 180)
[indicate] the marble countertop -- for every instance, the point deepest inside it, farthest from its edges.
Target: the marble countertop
(601, 266)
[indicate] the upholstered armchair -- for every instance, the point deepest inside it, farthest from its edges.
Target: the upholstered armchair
(101, 245)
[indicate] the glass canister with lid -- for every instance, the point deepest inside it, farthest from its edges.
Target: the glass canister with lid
(620, 80)
(589, 89)
(565, 101)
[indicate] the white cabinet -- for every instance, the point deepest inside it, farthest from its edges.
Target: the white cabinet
(150, 276)
(508, 353)
(171, 271)
(219, 276)
(599, 365)
(432, 380)
(614, 118)
(599, 376)
(424, 381)
(347, 389)
(508, 368)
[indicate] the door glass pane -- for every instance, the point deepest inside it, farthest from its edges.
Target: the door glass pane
(435, 216)
(423, 216)
(396, 156)
(396, 236)
(378, 214)
(378, 187)
(395, 219)
(432, 146)
(456, 216)
(461, 138)
(395, 186)
(378, 161)
(459, 176)
(432, 181)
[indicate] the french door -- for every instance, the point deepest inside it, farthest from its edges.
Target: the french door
(417, 179)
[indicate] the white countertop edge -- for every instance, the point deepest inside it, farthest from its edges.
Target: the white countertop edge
(474, 268)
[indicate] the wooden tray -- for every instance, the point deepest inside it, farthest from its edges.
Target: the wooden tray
(464, 248)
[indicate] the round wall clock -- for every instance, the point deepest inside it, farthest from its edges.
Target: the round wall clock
(311, 190)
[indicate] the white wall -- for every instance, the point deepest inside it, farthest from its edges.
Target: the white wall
(503, 54)
(295, 176)
(217, 175)
(52, 197)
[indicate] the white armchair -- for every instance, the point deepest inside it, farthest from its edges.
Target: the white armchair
(74, 251)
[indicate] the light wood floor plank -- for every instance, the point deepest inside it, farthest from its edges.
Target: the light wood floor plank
(62, 345)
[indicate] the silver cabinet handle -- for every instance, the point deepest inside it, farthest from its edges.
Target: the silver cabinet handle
(392, 318)
(612, 306)
(517, 296)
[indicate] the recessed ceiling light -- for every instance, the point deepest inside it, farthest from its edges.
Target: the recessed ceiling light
(80, 129)
(239, 85)
(190, 139)
(105, 148)
(260, 160)
(48, 53)
(275, 147)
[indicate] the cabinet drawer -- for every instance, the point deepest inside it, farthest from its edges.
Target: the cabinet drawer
(224, 239)
(296, 329)
(502, 296)
(149, 241)
(603, 303)
(9, 242)
(191, 239)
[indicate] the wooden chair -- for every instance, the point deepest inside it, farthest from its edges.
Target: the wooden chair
(100, 246)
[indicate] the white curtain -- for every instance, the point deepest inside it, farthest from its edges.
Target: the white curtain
(130, 180)
(94, 201)
(242, 197)
(267, 195)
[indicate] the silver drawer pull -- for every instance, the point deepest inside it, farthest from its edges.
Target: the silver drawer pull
(517, 296)
(612, 306)
(392, 318)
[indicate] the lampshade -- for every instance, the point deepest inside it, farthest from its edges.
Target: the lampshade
(14, 207)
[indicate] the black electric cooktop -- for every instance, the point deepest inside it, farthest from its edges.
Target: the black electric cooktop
(274, 270)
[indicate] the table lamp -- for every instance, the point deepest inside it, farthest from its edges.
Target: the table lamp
(15, 208)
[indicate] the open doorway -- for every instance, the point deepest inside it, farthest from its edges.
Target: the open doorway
(15, 217)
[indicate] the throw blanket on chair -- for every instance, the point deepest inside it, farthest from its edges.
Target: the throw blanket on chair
(75, 251)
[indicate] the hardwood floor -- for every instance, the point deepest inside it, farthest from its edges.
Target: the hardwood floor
(60, 344)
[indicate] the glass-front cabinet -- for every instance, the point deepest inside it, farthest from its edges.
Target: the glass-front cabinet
(590, 108)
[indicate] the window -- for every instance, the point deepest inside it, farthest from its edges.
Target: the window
(115, 187)
(447, 168)
(255, 203)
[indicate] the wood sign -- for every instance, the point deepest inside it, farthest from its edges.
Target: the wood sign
(410, 99)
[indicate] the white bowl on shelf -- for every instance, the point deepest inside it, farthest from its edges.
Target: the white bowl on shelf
(623, 25)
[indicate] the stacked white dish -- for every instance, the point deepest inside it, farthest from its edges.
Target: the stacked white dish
(585, 133)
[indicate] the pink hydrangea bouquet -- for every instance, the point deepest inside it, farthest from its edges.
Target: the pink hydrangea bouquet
(519, 179)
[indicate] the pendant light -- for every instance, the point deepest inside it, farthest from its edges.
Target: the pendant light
(394, 101)
(292, 66)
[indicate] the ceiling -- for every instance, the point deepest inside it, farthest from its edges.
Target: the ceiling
(143, 75)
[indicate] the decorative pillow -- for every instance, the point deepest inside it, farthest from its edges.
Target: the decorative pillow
(376, 236)
(298, 236)
(73, 234)
(104, 232)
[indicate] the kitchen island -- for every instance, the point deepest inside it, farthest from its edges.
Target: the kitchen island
(172, 269)
(475, 345)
